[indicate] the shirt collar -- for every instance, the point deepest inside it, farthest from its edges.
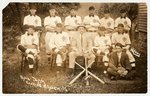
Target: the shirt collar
(32, 15)
(102, 35)
(123, 17)
(120, 33)
(52, 16)
(73, 16)
(29, 34)
(58, 32)
(91, 15)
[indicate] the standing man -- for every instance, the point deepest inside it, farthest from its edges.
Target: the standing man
(107, 22)
(123, 19)
(91, 22)
(32, 18)
(50, 23)
(72, 22)
(81, 45)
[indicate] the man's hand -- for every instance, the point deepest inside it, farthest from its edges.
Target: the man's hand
(30, 46)
(49, 28)
(122, 71)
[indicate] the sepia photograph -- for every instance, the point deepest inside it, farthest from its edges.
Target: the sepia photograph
(74, 48)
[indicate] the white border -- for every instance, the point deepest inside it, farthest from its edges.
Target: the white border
(5, 3)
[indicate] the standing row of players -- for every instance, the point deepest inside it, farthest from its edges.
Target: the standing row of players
(89, 38)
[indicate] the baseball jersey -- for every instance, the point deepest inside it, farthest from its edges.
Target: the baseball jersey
(52, 21)
(107, 23)
(59, 40)
(125, 21)
(91, 22)
(72, 21)
(102, 41)
(124, 38)
(32, 20)
(29, 39)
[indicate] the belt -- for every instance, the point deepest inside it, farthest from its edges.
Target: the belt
(50, 31)
(92, 30)
(71, 29)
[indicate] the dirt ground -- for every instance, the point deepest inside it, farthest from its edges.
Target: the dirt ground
(45, 80)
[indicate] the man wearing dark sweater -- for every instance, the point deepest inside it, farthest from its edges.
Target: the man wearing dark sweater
(119, 65)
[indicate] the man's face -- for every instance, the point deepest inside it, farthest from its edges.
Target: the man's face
(31, 30)
(102, 33)
(81, 29)
(123, 14)
(120, 29)
(59, 29)
(73, 12)
(92, 12)
(52, 12)
(106, 15)
(118, 49)
(32, 11)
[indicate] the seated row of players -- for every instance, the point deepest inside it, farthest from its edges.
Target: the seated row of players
(120, 62)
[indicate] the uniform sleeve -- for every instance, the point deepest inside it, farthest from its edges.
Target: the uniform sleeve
(129, 22)
(112, 24)
(79, 20)
(85, 20)
(98, 19)
(52, 43)
(96, 42)
(66, 21)
(128, 39)
(113, 41)
(96, 22)
(59, 20)
(101, 21)
(116, 22)
(39, 22)
(22, 40)
(36, 40)
(46, 22)
(109, 41)
(67, 39)
(25, 21)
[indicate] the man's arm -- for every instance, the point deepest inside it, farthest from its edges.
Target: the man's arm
(25, 21)
(39, 22)
(112, 63)
(96, 22)
(127, 62)
(116, 23)
(112, 24)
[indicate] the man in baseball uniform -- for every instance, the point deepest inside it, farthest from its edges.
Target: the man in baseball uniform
(50, 23)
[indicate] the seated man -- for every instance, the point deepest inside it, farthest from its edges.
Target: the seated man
(121, 37)
(102, 45)
(29, 45)
(80, 46)
(119, 65)
(59, 45)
